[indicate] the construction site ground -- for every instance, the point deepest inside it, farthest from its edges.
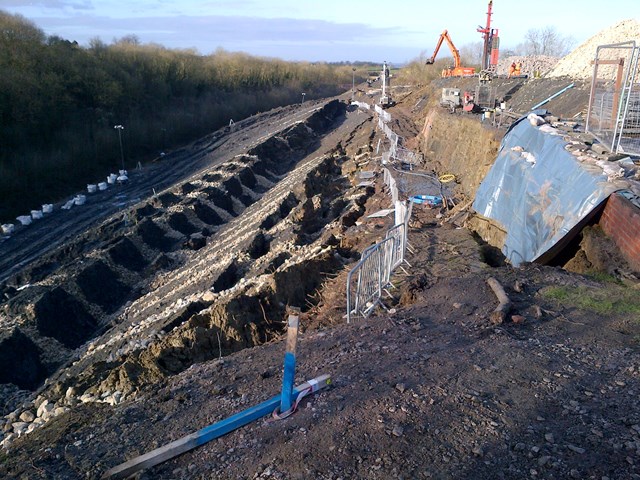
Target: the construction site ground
(428, 387)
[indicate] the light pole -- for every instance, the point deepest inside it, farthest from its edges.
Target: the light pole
(120, 128)
(353, 85)
(303, 94)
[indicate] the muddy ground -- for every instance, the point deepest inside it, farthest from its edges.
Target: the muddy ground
(429, 388)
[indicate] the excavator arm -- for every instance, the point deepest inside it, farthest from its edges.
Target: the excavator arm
(456, 70)
(454, 51)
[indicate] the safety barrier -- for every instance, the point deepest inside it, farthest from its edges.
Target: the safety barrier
(613, 115)
(384, 116)
(391, 183)
(370, 275)
(399, 235)
(407, 156)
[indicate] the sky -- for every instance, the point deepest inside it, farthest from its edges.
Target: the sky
(326, 30)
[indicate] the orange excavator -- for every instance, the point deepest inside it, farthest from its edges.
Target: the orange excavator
(456, 70)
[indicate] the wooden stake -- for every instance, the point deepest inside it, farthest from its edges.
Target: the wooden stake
(289, 362)
(501, 311)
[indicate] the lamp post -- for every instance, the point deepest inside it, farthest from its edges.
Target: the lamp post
(353, 84)
(303, 94)
(120, 128)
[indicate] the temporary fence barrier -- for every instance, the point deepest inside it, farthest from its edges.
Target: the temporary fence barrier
(372, 274)
(366, 280)
(391, 183)
(407, 156)
(384, 116)
(401, 211)
(613, 115)
(399, 236)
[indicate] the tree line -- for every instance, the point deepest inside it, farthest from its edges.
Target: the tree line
(59, 103)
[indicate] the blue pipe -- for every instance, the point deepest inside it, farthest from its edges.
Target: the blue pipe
(553, 96)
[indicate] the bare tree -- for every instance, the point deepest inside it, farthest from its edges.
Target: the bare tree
(472, 53)
(546, 41)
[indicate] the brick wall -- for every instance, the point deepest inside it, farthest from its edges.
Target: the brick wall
(621, 221)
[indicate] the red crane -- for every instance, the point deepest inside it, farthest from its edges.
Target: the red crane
(491, 42)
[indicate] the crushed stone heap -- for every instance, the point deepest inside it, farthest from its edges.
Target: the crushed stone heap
(530, 64)
(577, 64)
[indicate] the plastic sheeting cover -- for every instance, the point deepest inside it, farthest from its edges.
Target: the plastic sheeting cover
(537, 191)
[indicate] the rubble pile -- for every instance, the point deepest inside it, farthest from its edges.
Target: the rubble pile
(578, 65)
(530, 64)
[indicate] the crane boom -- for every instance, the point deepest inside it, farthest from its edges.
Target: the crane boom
(491, 42)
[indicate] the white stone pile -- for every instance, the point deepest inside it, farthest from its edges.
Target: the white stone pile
(28, 417)
(530, 64)
(578, 65)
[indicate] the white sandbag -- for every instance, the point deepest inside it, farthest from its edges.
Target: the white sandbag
(536, 120)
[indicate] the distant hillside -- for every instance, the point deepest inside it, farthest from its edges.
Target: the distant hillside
(59, 103)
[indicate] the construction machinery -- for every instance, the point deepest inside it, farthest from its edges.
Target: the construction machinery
(454, 98)
(491, 43)
(450, 99)
(457, 70)
(385, 98)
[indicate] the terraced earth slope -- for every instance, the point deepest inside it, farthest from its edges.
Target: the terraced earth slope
(188, 273)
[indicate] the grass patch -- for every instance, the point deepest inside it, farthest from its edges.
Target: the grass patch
(611, 299)
(603, 277)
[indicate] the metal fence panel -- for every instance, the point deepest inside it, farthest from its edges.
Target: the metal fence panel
(613, 116)
(397, 233)
(367, 279)
(407, 156)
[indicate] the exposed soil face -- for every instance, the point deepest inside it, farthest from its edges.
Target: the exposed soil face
(429, 388)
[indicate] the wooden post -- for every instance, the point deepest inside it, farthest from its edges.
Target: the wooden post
(289, 361)
(184, 444)
(500, 313)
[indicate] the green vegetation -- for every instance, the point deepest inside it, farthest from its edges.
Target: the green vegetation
(59, 103)
(611, 299)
